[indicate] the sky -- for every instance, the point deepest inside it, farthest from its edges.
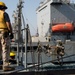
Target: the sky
(29, 12)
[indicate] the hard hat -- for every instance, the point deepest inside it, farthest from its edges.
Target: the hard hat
(3, 5)
(12, 54)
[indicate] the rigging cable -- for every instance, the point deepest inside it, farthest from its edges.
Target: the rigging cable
(31, 48)
(33, 28)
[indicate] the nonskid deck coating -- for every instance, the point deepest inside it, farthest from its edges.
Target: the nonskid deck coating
(46, 70)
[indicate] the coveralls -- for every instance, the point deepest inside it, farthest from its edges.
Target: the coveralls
(4, 38)
(60, 51)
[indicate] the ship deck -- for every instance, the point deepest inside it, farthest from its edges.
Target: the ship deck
(47, 69)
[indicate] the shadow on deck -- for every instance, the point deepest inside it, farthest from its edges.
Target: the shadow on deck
(49, 70)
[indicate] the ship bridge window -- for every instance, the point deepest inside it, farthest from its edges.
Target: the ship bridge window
(56, 3)
(43, 8)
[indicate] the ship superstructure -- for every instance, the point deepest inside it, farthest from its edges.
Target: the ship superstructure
(56, 22)
(53, 12)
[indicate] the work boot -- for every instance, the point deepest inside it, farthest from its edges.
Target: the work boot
(7, 68)
(0, 67)
(1, 64)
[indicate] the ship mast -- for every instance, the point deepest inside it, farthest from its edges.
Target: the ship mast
(19, 36)
(19, 7)
(19, 19)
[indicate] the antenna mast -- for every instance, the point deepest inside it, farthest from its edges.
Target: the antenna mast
(19, 7)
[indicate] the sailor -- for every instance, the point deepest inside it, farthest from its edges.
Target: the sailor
(12, 58)
(5, 29)
(60, 50)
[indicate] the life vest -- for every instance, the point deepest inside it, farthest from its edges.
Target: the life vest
(2, 21)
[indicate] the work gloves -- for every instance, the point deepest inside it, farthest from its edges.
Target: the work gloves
(11, 35)
(6, 34)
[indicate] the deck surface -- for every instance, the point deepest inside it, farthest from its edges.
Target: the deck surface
(8, 72)
(19, 70)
